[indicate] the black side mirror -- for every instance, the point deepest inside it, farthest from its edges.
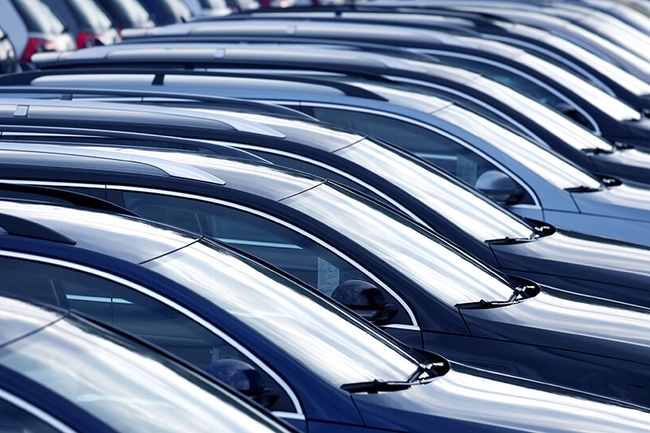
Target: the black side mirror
(366, 300)
(243, 377)
(499, 186)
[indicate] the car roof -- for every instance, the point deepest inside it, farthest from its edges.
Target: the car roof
(117, 235)
(259, 178)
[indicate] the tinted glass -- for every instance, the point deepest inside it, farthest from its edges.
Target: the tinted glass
(13, 419)
(125, 385)
(89, 14)
(126, 308)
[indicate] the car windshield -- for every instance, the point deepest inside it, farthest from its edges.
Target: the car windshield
(335, 344)
(90, 14)
(127, 386)
(469, 209)
(555, 169)
(608, 69)
(550, 166)
(565, 129)
(615, 108)
(443, 270)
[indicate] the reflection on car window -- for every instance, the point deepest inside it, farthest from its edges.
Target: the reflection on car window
(15, 419)
(38, 17)
(271, 242)
(123, 307)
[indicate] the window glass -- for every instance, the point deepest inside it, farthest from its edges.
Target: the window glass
(123, 307)
(16, 420)
(123, 384)
(88, 13)
(425, 143)
(273, 243)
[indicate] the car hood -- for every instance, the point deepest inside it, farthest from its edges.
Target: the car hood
(563, 320)
(631, 164)
(626, 201)
(471, 400)
(581, 263)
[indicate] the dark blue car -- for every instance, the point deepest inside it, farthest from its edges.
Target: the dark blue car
(393, 272)
(63, 373)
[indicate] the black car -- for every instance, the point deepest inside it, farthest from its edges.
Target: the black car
(489, 98)
(613, 269)
(394, 272)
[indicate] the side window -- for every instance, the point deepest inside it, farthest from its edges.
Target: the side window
(269, 241)
(15, 419)
(425, 143)
(134, 312)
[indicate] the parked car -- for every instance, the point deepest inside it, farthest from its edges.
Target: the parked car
(536, 250)
(595, 59)
(279, 327)
(31, 27)
(62, 372)
(431, 294)
(86, 21)
(127, 14)
(168, 11)
(490, 98)
(482, 153)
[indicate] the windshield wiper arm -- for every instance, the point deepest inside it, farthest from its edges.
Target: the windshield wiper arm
(508, 240)
(597, 150)
(375, 386)
(582, 188)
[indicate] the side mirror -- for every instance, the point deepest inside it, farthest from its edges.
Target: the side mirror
(366, 300)
(243, 377)
(499, 186)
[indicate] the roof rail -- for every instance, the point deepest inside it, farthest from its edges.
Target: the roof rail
(139, 139)
(171, 168)
(41, 193)
(99, 112)
(23, 227)
(70, 93)
(22, 80)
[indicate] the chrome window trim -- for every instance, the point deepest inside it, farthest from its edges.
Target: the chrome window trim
(413, 326)
(328, 167)
(194, 317)
(36, 412)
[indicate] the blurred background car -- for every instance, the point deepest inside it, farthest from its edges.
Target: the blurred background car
(86, 21)
(127, 14)
(32, 27)
(164, 12)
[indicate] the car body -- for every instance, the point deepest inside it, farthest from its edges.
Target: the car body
(531, 75)
(242, 321)
(166, 12)
(32, 27)
(86, 21)
(127, 14)
(476, 92)
(57, 366)
(430, 295)
(544, 188)
(607, 65)
(536, 250)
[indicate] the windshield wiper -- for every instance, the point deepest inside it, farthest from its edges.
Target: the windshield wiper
(508, 240)
(375, 386)
(582, 188)
(526, 289)
(597, 150)
(430, 369)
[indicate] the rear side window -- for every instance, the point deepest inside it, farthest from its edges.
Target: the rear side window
(38, 17)
(133, 311)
